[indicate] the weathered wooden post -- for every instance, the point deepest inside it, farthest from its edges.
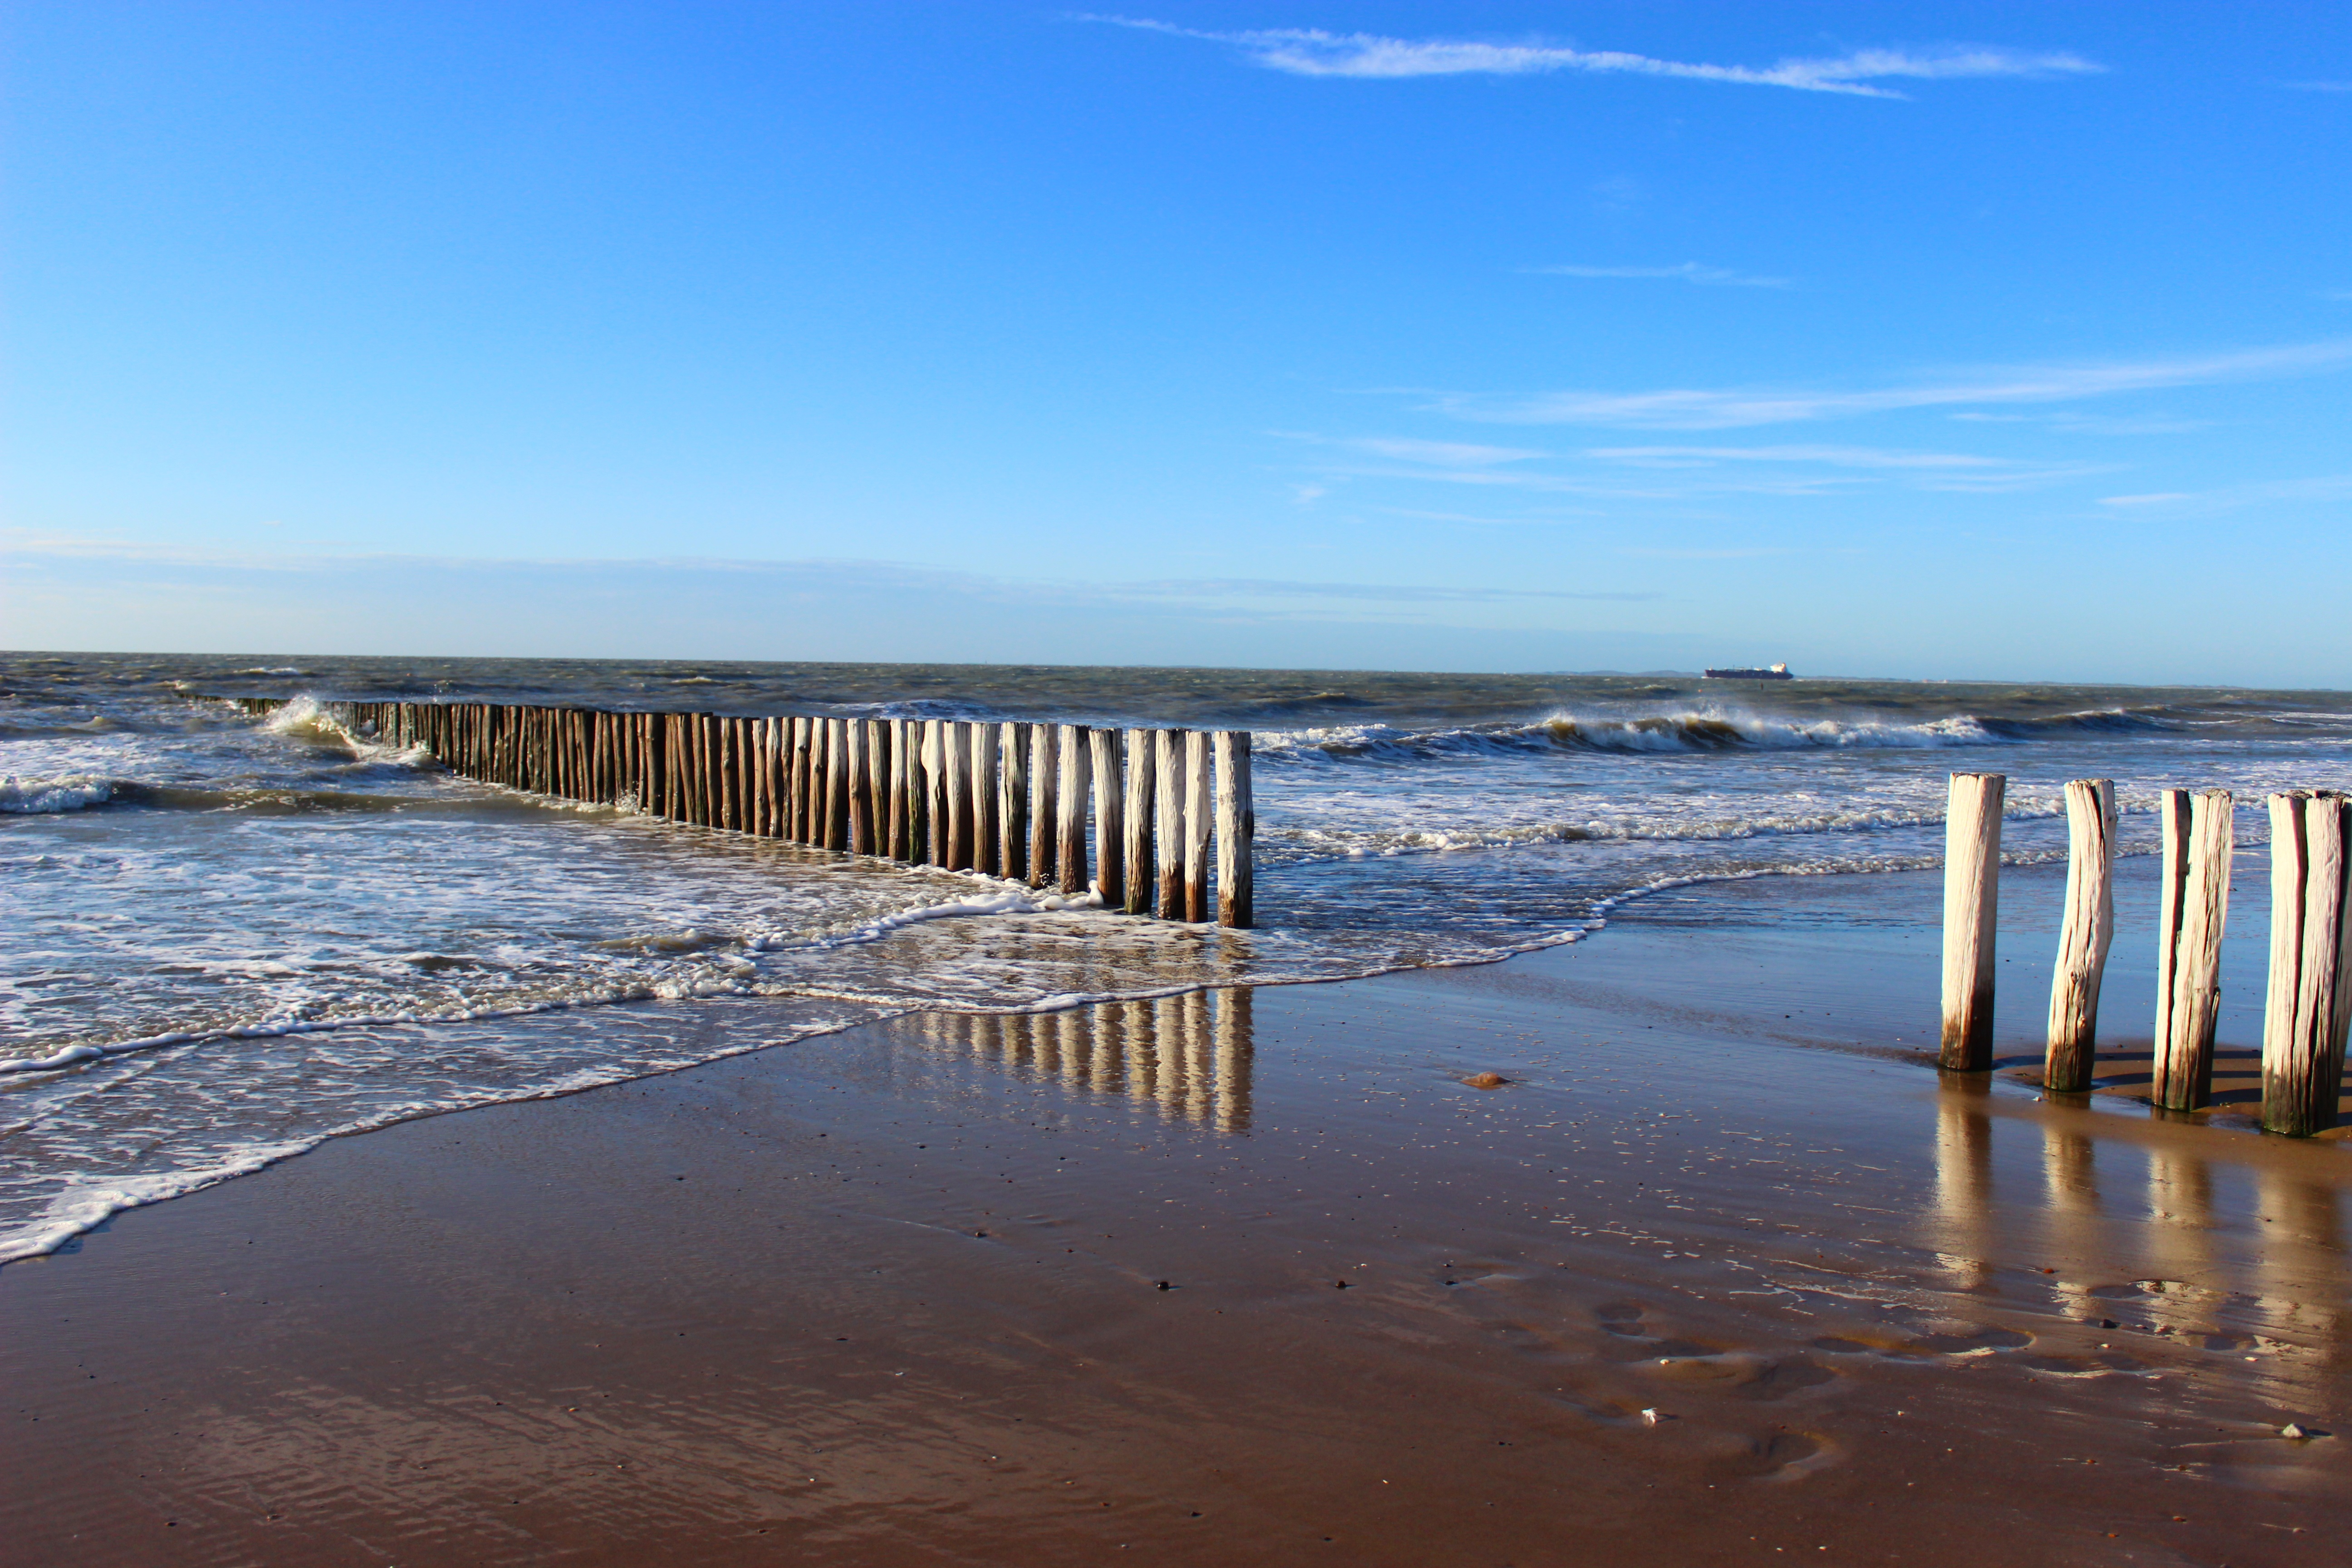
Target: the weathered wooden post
(1168, 786)
(1044, 796)
(1135, 812)
(882, 804)
(1236, 832)
(1070, 815)
(955, 757)
(837, 784)
(859, 773)
(919, 793)
(987, 790)
(2193, 906)
(935, 792)
(2303, 1022)
(1012, 802)
(895, 816)
(1110, 830)
(1199, 820)
(1972, 911)
(730, 772)
(2082, 939)
(755, 776)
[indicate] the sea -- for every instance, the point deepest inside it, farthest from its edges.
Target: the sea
(227, 939)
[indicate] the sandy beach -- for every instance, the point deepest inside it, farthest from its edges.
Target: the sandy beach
(1721, 1273)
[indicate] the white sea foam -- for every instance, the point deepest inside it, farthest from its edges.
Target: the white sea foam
(32, 796)
(1708, 729)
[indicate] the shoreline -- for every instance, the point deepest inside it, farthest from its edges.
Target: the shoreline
(746, 1310)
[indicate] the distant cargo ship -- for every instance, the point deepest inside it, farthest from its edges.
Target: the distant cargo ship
(1777, 673)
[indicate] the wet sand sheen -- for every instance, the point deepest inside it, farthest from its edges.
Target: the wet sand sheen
(895, 1296)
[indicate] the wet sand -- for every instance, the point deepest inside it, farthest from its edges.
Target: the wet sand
(1722, 1273)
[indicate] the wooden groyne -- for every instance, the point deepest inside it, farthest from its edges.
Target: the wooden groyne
(1129, 814)
(2308, 1003)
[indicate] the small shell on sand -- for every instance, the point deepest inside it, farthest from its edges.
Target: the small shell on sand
(1485, 1080)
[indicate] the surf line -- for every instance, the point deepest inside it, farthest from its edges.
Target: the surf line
(1172, 826)
(2308, 1001)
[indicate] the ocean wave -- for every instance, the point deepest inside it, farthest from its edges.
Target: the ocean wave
(37, 797)
(1688, 731)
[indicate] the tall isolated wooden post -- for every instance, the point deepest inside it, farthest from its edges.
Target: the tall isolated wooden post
(2308, 1003)
(2192, 908)
(1972, 911)
(2082, 939)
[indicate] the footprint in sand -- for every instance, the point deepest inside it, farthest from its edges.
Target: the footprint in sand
(1622, 1317)
(1741, 1373)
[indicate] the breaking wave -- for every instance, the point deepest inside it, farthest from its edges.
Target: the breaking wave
(1690, 730)
(35, 796)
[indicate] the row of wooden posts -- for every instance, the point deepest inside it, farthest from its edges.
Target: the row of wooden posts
(2309, 1001)
(1132, 814)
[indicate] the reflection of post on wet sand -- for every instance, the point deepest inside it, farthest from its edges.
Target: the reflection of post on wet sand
(2298, 1260)
(2070, 1183)
(1188, 1057)
(1963, 1181)
(2197, 1264)
(2181, 1240)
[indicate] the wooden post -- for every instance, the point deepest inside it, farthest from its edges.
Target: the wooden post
(859, 772)
(780, 783)
(939, 849)
(730, 772)
(837, 784)
(2082, 939)
(1971, 909)
(1199, 819)
(879, 735)
(955, 761)
(796, 781)
(1012, 802)
(1110, 830)
(1135, 813)
(987, 843)
(2193, 906)
(1168, 774)
(906, 767)
(1070, 813)
(2304, 1025)
(755, 776)
(1237, 833)
(1045, 797)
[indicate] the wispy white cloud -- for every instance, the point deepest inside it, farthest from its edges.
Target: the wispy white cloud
(1523, 519)
(1728, 408)
(1670, 553)
(2089, 424)
(1383, 592)
(1925, 471)
(1833, 457)
(821, 577)
(1688, 272)
(1443, 454)
(1312, 51)
(2321, 489)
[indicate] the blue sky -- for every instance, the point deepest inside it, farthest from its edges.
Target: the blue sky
(2010, 342)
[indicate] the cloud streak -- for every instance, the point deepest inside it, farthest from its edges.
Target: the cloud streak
(1314, 52)
(1688, 272)
(1689, 408)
